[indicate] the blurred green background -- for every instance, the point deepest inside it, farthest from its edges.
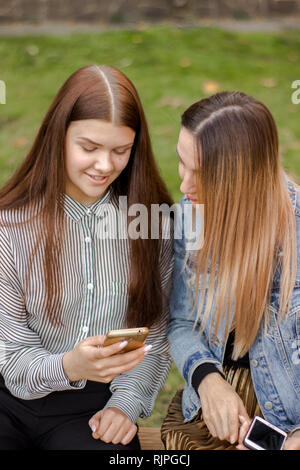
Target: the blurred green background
(171, 68)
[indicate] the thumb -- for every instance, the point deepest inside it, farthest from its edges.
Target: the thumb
(95, 340)
(243, 429)
(95, 421)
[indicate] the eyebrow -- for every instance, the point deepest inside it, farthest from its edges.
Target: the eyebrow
(101, 145)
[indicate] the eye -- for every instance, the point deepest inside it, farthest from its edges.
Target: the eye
(120, 153)
(88, 150)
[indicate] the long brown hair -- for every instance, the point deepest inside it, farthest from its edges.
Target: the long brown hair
(249, 217)
(92, 92)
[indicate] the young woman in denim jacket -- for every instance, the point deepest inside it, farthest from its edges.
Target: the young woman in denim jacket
(235, 302)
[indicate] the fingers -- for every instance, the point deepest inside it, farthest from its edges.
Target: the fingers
(113, 349)
(222, 419)
(245, 423)
(95, 340)
(110, 426)
(236, 415)
(129, 436)
(94, 423)
(233, 426)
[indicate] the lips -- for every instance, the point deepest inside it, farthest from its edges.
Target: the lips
(191, 199)
(102, 180)
(97, 176)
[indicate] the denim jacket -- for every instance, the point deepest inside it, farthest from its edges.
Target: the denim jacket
(274, 356)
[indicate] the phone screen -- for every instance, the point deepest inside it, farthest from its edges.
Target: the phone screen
(266, 437)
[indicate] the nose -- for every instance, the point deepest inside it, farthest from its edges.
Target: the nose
(188, 184)
(104, 163)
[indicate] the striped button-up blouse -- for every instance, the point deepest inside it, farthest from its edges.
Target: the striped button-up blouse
(94, 275)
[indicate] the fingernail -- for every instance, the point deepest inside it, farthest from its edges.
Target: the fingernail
(147, 348)
(93, 427)
(124, 343)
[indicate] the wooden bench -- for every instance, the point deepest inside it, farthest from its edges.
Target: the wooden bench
(150, 439)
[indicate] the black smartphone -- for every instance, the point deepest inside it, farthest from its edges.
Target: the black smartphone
(264, 436)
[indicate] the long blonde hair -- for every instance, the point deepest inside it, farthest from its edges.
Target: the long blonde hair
(249, 216)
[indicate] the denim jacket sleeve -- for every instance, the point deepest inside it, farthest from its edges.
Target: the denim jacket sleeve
(188, 348)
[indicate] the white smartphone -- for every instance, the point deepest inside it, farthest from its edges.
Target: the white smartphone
(263, 435)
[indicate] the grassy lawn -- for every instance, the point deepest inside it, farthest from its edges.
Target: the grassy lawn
(171, 69)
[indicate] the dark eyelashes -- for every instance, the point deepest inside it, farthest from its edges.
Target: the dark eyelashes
(117, 153)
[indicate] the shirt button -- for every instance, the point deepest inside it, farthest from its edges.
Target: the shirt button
(88, 211)
(88, 239)
(254, 362)
(268, 405)
(85, 329)
(90, 286)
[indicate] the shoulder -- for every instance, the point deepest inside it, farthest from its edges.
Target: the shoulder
(20, 214)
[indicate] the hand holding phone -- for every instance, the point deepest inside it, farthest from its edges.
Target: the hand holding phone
(89, 360)
(263, 435)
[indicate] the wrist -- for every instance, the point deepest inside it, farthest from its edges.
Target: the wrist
(68, 367)
(209, 380)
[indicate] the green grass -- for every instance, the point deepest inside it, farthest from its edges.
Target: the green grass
(171, 68)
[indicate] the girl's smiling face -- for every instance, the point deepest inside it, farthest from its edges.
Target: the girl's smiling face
(97, 151)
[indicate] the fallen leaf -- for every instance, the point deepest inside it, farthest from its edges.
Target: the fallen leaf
(173, 102)
(295, 145)
(210, 87)
(292, 57)
(32, 50)
(291, 108)
(142, 26)
(20, 142)
(126, 62)
(137, 39)
(269, 82)
(165, 131)
(185, 62)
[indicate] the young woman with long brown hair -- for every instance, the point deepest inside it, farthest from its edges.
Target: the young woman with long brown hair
(235, 303)
(67, 277)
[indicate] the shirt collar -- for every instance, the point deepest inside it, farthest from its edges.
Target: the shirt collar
(76, 210)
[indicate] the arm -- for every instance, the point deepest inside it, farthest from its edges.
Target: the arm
(29, 370)
(201, 372)
(189, 350)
